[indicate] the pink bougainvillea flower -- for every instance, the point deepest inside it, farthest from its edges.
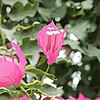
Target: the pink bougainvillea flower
(97, 98)
(22, 98)
(11, 69)
(80, 97)
(50, 39)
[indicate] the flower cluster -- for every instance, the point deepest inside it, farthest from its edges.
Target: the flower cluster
(50, 39)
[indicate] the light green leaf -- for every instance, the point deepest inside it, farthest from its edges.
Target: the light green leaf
(29, 47)
(47, 9)
(74, 45)
(60, 12)
(39, 72)
(45, 13)
(8, 33)
(92, 51)
(79, 28)
(12, 2)
(34, 98)
(51, 91)
(19, 12)
(48, 5)
(87, 4)
(27, 33)
(31, 50)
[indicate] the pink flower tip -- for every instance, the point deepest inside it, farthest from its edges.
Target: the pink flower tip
(97, 98)
(22, 98)
(80, 97)
(50, 39)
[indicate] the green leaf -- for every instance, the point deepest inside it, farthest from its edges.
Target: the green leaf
(30, 47)
(79, 28)
(74, 45)
(87, 4)
(12, 2)
(19, 12)
(60, 12)
(31, 50)
(4, 97)
(97, 39)
(34, 98)
(40, 72)
(51, 91)
(45, 13)
(47, 9)
(8, 33)
(49, 5)
(27, 33)
(92, 51)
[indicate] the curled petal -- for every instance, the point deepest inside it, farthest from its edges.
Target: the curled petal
(21, 56)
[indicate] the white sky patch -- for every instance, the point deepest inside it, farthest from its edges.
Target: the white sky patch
(72, 37)
(8, 9)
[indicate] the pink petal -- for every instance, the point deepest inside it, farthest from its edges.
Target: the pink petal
(15, 99)
(82, 97)
(47, 98)
(9, 59)
(97, 98)
(23, 98)
(41, 37)
(60, 40)
(21, 56)
(72, 98)
(10, 74)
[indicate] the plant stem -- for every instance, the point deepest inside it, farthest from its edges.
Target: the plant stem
(2, 35)
(45, 73)
(42, 78)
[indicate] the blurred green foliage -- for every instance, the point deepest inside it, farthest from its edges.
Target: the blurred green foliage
(20, 20)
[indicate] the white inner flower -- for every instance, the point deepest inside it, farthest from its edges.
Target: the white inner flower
(62, 53)
(76, 58)
(52, 31)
